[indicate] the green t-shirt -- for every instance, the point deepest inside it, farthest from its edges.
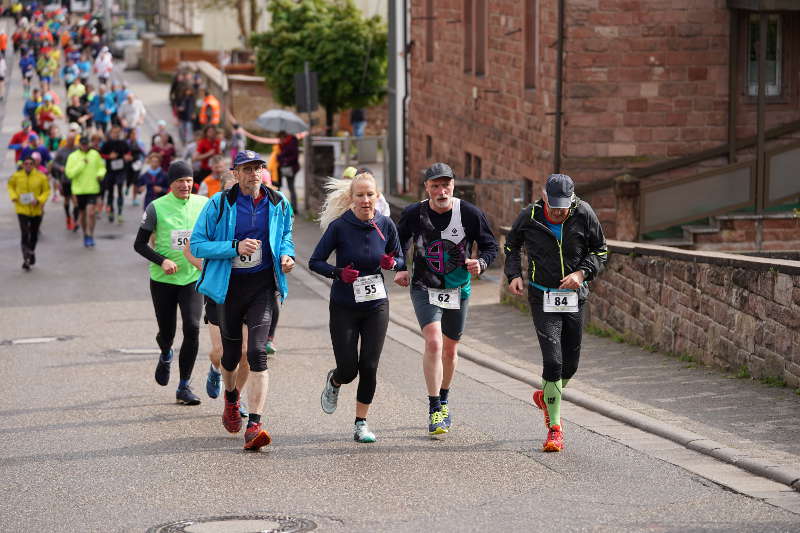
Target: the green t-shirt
(171, 220)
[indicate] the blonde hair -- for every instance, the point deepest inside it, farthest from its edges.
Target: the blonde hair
(340, 197)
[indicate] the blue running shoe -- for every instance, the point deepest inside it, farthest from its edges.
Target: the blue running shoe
(162, 370)
(213, 382)
(86, 242)
(446, 416)
(91, 242)
(436, 423)
(185, 396)
(243, 412)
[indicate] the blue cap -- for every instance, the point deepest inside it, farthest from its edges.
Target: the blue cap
(560, 189)
(247, 156)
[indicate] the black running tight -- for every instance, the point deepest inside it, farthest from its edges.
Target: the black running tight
(250, 301)
(560, 337)
(167, 298)
(347, 326)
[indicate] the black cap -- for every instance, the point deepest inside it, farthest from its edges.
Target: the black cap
(178, 170)
(438, 170)
(560, 190)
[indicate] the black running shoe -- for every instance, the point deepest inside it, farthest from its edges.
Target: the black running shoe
(162, 370)
(185, 396)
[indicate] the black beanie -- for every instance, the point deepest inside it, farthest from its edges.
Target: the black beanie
(177, 170)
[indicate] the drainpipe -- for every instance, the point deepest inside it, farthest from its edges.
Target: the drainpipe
(559, 90)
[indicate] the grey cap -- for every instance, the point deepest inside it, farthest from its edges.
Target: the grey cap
(438, 170)
(560, 189)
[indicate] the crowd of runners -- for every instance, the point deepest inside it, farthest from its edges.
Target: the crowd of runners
(218, 236)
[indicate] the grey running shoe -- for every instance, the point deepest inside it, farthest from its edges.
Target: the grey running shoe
(330, 395)
(361, 432)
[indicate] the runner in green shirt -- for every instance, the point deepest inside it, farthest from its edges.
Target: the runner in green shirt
(169, 221)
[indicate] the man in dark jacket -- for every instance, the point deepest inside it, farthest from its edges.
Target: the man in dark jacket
(566, 248)
(289, 163)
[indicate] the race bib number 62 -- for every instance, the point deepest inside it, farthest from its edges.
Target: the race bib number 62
(445, 298)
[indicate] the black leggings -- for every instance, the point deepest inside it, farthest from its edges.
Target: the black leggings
(115, 181)
(29, 228)
(167, 298)
(250, 300)
(560, 337)
(276, 312)
(347, 324)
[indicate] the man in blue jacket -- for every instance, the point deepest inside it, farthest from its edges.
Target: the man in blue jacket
(244, 236)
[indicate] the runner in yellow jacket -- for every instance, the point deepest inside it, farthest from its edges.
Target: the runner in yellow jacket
(85, 168)
(29, 190)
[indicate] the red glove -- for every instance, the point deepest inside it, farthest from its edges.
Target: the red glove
(348, 274)
(387, 261)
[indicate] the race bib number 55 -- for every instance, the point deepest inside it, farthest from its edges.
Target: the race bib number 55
(369, 288)
(560, 302)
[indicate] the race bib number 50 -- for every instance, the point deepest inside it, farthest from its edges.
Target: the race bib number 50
(180, 238)
(560, 302)
(445, 298)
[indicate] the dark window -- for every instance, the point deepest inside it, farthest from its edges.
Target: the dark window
(481, 26)
(468, 35)
(774, 55)
(467, 164)
(429, 30)
(531, 45)
(476, 167)
(428, 146)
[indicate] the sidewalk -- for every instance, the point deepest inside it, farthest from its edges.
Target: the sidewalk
(749, 420)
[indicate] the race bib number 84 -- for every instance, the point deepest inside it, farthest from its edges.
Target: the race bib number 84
(560, 302)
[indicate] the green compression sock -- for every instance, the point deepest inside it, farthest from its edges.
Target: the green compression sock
(552, 397)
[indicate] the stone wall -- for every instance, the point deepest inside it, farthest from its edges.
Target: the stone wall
(724, 310)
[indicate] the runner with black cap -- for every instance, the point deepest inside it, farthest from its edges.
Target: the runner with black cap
(244, 236)
(170, 220)
(444, 229)
(566, 248)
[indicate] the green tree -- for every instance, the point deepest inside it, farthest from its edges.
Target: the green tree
(346, 50)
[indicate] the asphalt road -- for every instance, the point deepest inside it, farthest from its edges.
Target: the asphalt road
(89, 442)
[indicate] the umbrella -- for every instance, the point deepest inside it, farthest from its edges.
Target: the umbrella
(281, 120)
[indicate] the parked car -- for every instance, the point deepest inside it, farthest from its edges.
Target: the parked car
(123, 38)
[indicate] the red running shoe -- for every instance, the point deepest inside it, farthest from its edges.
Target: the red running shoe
(538, 399)
(256, 437)
(231, 418)
(555, 440)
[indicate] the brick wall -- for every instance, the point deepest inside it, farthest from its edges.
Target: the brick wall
(644, 81)
(722, 309)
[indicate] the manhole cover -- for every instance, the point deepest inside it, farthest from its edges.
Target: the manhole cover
(254, 523)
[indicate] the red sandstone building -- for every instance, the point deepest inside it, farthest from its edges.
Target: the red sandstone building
(653, 107)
